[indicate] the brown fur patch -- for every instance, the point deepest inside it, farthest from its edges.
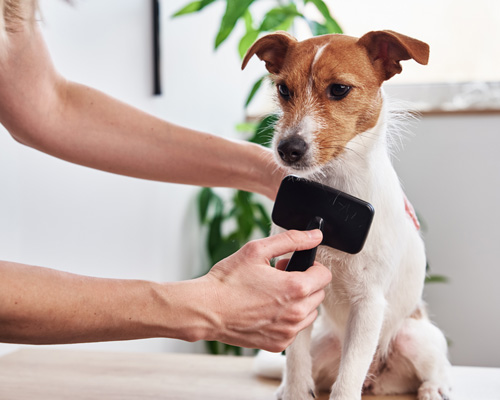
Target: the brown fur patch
(310, 67)
(342, 61)
(419, 313)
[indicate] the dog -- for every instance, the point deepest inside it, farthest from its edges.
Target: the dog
(373, 335)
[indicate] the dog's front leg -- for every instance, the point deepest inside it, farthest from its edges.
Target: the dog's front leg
(297, 382)
(360, 343)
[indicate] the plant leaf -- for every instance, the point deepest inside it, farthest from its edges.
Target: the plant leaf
(246, 127)
(215, 227)
(204, 199)
(246, 41)
(256, 86)
(317, 28)
(286, 24)
(229, 348)
(277, 16)
(224, 249)
(436, 279)
(330, 23)
(235, 9)
(214, 234)
(263, 221)
(247, 17)
(193, 7)
(214, 347)
(244, 214)
(265, 130)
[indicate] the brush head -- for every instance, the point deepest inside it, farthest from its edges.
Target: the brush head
(346, 219)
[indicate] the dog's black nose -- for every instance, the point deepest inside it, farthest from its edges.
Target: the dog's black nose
(292, 149)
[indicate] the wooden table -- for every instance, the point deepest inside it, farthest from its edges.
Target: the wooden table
(74, 374)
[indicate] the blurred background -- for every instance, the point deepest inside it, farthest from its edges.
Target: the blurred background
(68, 217)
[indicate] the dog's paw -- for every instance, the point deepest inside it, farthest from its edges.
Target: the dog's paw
(299, 391)
(433, 391)
(369, 387)
(289, 396)
(344, 393)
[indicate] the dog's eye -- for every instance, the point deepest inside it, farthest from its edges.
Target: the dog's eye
(284, 91)
(338, 92)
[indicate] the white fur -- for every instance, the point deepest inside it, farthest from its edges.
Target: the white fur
(367, 309)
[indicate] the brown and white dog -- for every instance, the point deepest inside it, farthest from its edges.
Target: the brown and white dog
(373, 334)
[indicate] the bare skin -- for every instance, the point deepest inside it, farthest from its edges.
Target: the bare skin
(82, 125)
(241, 301)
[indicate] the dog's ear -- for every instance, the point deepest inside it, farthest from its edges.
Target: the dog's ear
(387, 48)
(271, 49)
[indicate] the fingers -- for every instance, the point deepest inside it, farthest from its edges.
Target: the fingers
(307, 321)
(305, 292)
(300, 285)
(314, 278)
(287, 301)
(298, 319)
(286, 242)
(282, 340)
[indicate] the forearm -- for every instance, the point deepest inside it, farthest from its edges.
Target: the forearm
(242, 301)
(85, 126)
(98, 131)
(45, 306)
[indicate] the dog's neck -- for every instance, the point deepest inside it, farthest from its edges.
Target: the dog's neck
(364, 168)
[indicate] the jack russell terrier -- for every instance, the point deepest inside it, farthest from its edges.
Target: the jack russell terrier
(373, 335)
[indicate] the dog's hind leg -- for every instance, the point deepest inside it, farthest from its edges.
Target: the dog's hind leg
(426, 348)
(418, 361)
(297, 382)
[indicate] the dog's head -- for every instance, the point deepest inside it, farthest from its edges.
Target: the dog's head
(329, 89)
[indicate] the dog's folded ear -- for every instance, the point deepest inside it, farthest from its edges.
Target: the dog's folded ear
(271, 49)
(387, 48)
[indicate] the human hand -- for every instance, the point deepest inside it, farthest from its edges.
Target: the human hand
(255, 306)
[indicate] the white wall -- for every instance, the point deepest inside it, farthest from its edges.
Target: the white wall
(72, 218)
(451, 171)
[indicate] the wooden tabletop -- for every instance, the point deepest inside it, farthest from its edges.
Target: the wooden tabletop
(74, 374)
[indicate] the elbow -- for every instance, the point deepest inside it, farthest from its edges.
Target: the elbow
(20, 138)
(34, 125)
(24, 136)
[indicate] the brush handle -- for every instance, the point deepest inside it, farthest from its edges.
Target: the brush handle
(302, 259)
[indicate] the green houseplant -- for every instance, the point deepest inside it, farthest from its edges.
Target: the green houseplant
(232, 223)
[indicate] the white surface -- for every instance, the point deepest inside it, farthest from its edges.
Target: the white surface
(476, 383)
(469, 383)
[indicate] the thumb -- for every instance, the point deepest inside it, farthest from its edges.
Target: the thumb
(289, 241)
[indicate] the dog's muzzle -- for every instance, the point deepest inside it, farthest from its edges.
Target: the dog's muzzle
(292, 149)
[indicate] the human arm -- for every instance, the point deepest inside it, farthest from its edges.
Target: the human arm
(241, 301)
(85, 126)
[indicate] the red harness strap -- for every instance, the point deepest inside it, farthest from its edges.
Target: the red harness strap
(411, 212)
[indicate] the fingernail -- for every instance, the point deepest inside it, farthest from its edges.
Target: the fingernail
(314, 234)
